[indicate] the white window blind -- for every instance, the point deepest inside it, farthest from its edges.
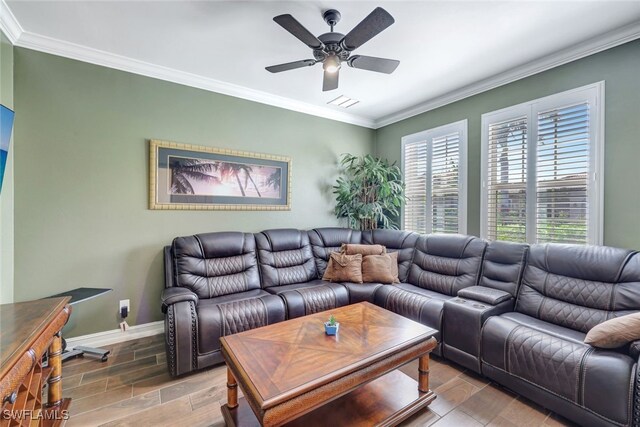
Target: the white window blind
(445, 161)
(562, 169)
(542, 169)
(507, 180)
(434, 164)
(415, 180)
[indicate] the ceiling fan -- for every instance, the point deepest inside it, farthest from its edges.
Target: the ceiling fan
(333, 49)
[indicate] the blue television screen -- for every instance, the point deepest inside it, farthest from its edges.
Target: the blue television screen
(6, 125)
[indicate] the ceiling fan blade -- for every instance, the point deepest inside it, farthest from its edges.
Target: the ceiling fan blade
(290, 24)
(371, 63)
(368, 28)
(290, 65)
(330, 81)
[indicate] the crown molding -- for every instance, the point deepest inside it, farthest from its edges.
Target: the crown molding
(9, 24)
(589, 47)
(19, 37)
(98, 57)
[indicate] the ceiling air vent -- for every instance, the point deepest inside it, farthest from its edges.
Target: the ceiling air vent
(343, 101)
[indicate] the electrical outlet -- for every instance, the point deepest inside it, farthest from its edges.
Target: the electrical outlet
(125, 303)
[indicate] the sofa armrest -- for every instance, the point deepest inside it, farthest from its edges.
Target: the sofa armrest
(463, 320)
(181, 331)
(484, 294)
(634, 349)
(634, 352)
(174, 295)
(168, 267)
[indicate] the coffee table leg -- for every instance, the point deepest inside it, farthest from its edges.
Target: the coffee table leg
(232, 390)
(423, 373)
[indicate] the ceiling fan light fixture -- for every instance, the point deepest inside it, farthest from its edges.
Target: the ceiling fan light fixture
(331, 64)
(334, 48)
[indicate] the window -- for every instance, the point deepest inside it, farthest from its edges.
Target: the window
(435, 164)
(542, 169)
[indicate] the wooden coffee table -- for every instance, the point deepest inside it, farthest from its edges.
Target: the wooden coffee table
(292, 373)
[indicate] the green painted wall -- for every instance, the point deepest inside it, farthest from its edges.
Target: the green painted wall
(620, 68)
(81, 178)
(81, 168)
(6, 196)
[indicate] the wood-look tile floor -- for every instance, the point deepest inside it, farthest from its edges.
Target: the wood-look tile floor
(133, 388)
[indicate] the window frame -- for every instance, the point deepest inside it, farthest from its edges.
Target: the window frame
(428, 135)
(594, 95)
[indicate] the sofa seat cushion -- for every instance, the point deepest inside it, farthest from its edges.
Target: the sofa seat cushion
(230, 314)
(254, 293)
(556, 360)
(359, 292)
(415, 303)
(549, 328)
(277, 290)
(425, 292)
(311, 297)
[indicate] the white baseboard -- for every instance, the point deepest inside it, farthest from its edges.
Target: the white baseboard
(115, 336)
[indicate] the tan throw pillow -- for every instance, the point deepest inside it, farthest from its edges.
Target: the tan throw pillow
(344, 268)
(615, 332)
(380, 268)
(394, 266)
(352, 249)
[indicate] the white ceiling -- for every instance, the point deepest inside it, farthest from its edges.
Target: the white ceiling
(443, 46)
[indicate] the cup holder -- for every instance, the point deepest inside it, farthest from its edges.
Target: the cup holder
(459, 301)
(478, 306)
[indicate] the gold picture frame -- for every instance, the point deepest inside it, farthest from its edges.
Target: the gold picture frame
(192, 177)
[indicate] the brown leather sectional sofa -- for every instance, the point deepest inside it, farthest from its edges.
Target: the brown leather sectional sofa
(515, 313)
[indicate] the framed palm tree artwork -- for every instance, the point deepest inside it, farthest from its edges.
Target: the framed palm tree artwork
(191, 177)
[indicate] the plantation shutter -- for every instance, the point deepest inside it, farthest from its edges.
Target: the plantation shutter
(445, 160)
(434, 163)
(562, 174)
(415, 179)
(543, 169)
(506, 183)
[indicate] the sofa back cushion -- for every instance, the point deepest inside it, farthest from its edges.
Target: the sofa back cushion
(285, 257)
(330, 239)
(446, 263)
(503, 266)
(216, 264)
(578, 286)
(402, 242)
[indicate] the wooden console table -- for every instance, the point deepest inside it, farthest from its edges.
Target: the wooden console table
(27, 331)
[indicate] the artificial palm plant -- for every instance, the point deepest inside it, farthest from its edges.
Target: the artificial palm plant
(370, 192)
